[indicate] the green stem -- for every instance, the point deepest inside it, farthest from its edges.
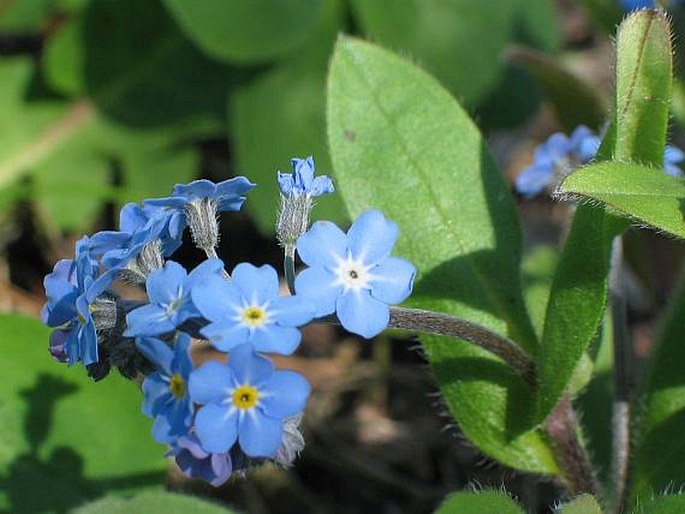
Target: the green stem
(289, 267)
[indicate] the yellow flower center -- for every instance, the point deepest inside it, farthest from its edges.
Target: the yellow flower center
(254, 316)
(177, 386)
(81, 319)
(245, 397)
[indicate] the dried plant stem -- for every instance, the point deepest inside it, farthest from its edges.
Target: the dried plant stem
(621, 414)
(444, 324)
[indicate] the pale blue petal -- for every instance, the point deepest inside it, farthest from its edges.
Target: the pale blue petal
(316, 285)
(260, 435)
(324, 244)
(322, 185)
(157, 352)
(156, 394)
(182, 362)
(164, 285)
(148, 320)
(275, 339)
(392, 280)
(226, 335)
(88, 343)
(216, 298)
(196, 189)
(291, 311)
(208, 268)
(371, 237)
(217, 427)
(285, 394)
(249, 367)
(256, 284)
(361, 314)
(210, 383)
(534, 179)
(673, 170)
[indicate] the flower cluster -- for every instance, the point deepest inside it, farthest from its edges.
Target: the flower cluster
(223, 415)
(559, 155)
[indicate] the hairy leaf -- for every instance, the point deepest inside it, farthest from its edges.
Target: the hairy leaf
(484, 502)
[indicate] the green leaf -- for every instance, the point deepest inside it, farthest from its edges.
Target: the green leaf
(538, 25)
(538, 272)
(575, 101)
(247, 31)
(282, 115)
(63, 438)
(660, 455)
(579, 290)
(670, 504)
(641, 193)
(141, 70)
(400, 143)
(446, 37)
(152, 503)
(484, 502)
(23, 16)
(644, 70)
(584, 504)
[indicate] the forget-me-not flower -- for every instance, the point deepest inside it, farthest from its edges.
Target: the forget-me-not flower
(196, 462)
(246, 401)
(353, 274)
(169, 292)
(166, 390)
(302, 181)
(248, 309)
(70, 294)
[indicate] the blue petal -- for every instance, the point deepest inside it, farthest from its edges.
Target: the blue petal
(322, 185)
(132, 218)
(164, 285)
(256, 284)
(534, 179)
(216, 298)
(249, 367)
(208, 268)
(673, 170)
(392, 280)
(275, 339)
(303, 172)
(105, 241)
(156, 394)
(196, 189)
(226, 335)
(324, 244)
(673, 155)
(230, 194)
(285, 394)
(217, 427)
(177, 419)
(557, 146)
(371, 237)
(148, 320)
(182, 363)
(222, 467)
(361, 314)
(316, 285)
(291, 311)
(260, 435)
(88, 343)
(157, 352)
(285, 183)
(210, 383)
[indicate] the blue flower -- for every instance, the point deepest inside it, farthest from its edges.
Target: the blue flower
(166, 390)
(248, 309)
(302, 182)
(70, 293)
(631, 5)
(195, 462)
(245, 400)
(168, 290)
(672, 156)
(353, 274)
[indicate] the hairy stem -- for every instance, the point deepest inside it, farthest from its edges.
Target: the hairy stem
(571, 456)
(444, 324)
(622, 391)
(210, 252)
(289, 267)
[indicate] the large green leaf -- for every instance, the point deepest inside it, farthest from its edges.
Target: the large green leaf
(24, 16)
(247, 30)
(152, 503)
(644, 194)
(660, 454)
(282, 115)
(484, 502)
(400, 143)
(63, 438)
(538, 25)
(459, 41)
(579, 290)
